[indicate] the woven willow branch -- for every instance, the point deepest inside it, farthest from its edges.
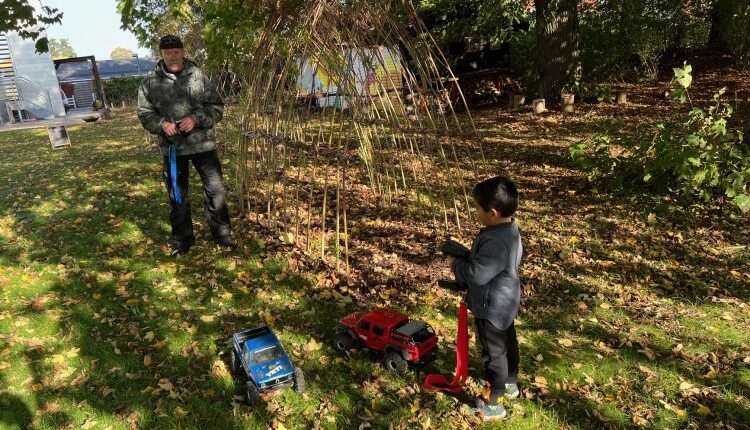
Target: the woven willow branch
(341, 95)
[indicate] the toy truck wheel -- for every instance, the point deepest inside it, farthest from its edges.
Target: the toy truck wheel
(236, 366)
(395, 362)
(252, 395)
(344, 342)
(299, 380)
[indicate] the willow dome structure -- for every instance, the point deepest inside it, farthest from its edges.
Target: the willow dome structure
(351, 103)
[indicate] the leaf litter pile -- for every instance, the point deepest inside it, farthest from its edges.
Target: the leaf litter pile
(630, 317)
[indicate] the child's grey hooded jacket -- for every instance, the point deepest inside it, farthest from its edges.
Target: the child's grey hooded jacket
(491, 274)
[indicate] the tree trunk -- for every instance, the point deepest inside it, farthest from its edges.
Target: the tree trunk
(730, 29)
(717, 39)
(557, 46)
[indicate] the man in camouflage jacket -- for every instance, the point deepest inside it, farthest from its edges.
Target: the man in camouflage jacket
(178, 102)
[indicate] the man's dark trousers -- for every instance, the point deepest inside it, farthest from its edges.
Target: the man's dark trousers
(499, 355)
(214, 197)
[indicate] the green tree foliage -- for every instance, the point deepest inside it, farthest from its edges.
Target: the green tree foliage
(472, 21)
(60, 48)
(121, 54)
(21, 17)
(699, 157)
(730, 28)
(628, 38)
(220, 32)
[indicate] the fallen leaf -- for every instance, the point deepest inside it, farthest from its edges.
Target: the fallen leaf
(415, 406)
(651, 355)
(180, 412)
(312, 345)
(565, 342)
(711, 374)
(703, 410)
(147, 360)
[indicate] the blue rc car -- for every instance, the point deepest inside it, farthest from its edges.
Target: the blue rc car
(258, 358)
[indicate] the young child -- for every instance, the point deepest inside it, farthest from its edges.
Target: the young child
(489, 273)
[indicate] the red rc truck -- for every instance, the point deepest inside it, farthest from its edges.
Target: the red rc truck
(402, 340)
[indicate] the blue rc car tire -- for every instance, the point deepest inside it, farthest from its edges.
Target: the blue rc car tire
(299, 380)
(236, 365)
(252, 395)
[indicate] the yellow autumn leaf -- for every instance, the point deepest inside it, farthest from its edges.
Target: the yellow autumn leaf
(711, 374)
(312, 345)
(604, 306)
(164, 384)
(147, 360)
(287, 238)
(574, 240)
(132, 302)
(149, 336)
(178, 411)
(565, 342)
(415, 406)
(207, 318)
(703, 410)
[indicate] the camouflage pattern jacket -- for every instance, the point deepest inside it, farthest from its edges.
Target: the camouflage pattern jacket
(165, 96)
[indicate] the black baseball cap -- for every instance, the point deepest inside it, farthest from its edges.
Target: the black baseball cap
(170, 42)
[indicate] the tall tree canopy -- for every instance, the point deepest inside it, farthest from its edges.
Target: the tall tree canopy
(472, 21)
(60, 48)
(21, 17)
(120, 53)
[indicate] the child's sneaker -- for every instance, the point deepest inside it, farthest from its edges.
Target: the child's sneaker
(512, 391)
(490, 412)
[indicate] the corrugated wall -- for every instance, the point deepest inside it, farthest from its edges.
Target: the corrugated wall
(37, 68)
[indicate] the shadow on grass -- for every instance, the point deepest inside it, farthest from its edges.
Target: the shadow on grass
(119, 297)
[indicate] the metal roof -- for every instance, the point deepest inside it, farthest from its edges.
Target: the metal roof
(67, 72)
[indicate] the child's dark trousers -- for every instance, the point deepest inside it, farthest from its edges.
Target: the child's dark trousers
(499, 355)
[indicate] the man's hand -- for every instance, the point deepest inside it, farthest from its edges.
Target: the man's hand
(187, 124)
(170, 128)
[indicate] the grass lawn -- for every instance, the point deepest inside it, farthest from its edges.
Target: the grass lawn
(628, 320)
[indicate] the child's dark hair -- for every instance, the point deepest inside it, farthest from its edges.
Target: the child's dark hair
(499, 193)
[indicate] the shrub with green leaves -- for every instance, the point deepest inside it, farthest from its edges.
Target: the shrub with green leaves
(699, 158)
(121, 90)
